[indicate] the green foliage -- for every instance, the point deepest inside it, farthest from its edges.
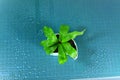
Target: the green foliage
(62, 57)
(70, 50)
(64, 47)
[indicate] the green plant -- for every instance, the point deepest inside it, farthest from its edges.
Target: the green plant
(64, 47)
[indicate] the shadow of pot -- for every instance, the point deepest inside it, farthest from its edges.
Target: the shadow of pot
(73, 44)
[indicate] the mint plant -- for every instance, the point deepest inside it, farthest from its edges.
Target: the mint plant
(61, 43)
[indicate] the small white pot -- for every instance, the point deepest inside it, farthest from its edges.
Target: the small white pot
(56, 54)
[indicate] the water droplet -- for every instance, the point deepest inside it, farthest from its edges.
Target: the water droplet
(35, 69)
(16, 58)
(5, 41)
(24, 62)
(40, 32)
(25, 76)
(37, 76)
(17, 39)
(23, 66)
(18, 67)
(28, 54)
(18, 75)
(29, 72)
(29, 66)
(43, 71)
(97, 61)
(16, 78)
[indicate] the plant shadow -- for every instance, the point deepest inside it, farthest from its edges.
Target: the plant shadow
(87, 48)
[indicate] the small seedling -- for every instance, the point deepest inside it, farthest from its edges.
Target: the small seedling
(60, 42)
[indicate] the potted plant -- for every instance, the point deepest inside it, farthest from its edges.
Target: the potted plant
(62, 43)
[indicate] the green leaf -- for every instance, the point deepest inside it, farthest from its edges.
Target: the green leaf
(49, 46)
(72, 35)
(50, 50)
(45, 43)
(51, 43)
(49, 34)
(70, 50)
(62, 58)
(63, 31)
(48, 43)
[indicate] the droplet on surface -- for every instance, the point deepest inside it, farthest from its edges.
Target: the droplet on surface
(43, 71)
(40, 32)
(25, 77)
(37, 76)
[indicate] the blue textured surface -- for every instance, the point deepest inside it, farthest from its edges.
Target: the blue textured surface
(21, 23)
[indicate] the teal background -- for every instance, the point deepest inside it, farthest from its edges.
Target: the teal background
(21, 23)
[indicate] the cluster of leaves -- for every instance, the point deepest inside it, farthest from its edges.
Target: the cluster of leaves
(64, 47)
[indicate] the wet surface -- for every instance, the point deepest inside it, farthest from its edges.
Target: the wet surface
(21, 23)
